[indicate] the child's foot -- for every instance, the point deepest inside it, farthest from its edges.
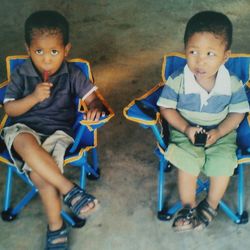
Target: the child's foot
(57, 239)
(205, 212)
(187, 220)
(81, 203)
(194, 218)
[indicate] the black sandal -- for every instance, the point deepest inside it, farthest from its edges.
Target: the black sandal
(76, 199)
(205, 212)
(188, 218)
(57, 240)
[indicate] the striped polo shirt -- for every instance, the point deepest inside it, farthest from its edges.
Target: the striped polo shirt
(196, 105)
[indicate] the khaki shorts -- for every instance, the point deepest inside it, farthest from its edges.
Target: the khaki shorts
(217, 160)
(55, 144)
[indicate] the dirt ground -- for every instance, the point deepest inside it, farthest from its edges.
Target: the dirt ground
(124, 42)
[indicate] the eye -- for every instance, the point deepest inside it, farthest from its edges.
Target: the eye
(39, 52)
(211, 53)
(193, 52)
(54, 52)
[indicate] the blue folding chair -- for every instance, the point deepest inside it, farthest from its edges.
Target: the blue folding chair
(144, 111)
(85, 143)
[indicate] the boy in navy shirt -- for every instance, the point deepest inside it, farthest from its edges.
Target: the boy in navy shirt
(39, 99)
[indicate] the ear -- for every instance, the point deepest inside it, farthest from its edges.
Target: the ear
(67, 49)
(27, 48)
(227, 55)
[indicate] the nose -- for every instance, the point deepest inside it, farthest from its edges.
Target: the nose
(201, 60)
(47, 58)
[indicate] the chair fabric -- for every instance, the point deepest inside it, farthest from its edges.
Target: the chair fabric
(141, 109)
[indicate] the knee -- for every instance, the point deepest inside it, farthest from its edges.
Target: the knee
(24, 140)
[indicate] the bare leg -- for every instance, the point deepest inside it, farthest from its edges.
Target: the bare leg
(48, 175)
(51, 201)
(40, 162)
(187, 188)
(52, 204)
(218, 186)
(187, 191)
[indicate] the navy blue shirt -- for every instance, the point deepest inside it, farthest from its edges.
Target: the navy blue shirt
(59, 110)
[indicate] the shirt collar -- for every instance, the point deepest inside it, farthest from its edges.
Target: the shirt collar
(28, 69)
(222, 82)
(222, 85)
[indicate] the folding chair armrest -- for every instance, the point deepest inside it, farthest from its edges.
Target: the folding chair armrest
(144, 110)
(82, 124)
(96, 124)
(90, 125)
(103, 119)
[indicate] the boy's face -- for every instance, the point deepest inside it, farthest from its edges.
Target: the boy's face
(205, 53)
(48, 52)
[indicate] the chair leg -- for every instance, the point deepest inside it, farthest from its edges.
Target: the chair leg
(161, 180)
(93, 172)
(243, 215)
(163, 214)
(8, 213)
(83, 177)
(8, 189)
(95, 160)
(228, 211)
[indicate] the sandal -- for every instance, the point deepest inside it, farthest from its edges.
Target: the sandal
(57, 240)
(188, 218)
(205, 212)
(77, 199)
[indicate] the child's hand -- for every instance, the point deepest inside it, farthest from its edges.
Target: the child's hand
(191, 131)
(42, 91)
(212, 136)
(93, 115)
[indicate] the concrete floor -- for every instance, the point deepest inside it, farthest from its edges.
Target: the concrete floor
(124, 42)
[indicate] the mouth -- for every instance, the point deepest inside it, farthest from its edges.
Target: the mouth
(200, 72)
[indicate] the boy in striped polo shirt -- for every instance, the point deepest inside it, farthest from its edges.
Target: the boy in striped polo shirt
(203, 97)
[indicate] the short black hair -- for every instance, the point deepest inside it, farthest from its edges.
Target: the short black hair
(210, 21)
(46, 21)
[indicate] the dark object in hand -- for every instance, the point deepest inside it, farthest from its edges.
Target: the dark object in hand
(200, 139)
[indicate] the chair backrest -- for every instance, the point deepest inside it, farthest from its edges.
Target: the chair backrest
(13, 61)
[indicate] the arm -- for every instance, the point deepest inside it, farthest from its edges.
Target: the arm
(173, 117)
(21, 106)
(95, 108)
(230, 123)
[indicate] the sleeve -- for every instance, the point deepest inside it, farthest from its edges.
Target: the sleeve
(169, 94)
(14, 90)
(81, 86)
(239, 101)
